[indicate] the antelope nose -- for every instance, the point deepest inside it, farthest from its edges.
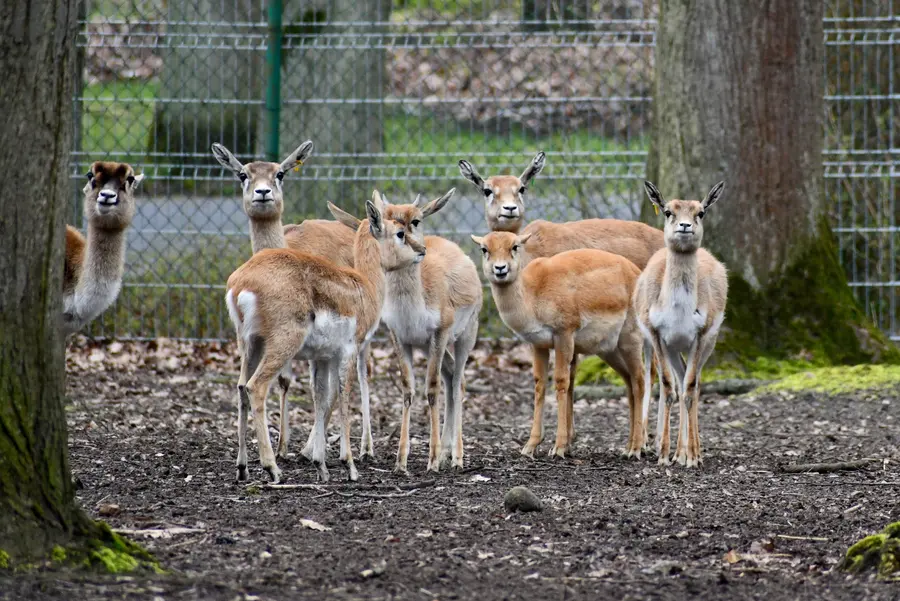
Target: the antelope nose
(510, 208)
(263, 191)
(107, 196)
(684, 226)
(501, 268)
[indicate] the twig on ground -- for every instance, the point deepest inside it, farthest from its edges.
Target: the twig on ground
(723, 387)
(812, 538)
(823, 468)
(353, 487)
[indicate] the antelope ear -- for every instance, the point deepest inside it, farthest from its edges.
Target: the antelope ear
(469, 172)
(536, 166)
(137, 180)
(713, 195)
(297, 157)
(342, 216)
(438, 203)
(477, 240)
(378, 201)
(524, 238)
(654, 195)
(376, 220)
(226, 159)
(417, 200)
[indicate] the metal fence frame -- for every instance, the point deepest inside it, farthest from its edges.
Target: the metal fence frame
(192, 231)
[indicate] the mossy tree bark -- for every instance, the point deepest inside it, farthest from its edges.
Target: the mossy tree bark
(37, 52)
(739, 97)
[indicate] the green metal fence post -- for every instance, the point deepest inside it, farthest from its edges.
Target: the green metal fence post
(273, 88)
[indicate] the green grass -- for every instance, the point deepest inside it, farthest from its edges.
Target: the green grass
(117, 118)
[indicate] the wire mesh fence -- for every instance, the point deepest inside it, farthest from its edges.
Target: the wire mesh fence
(394, 93)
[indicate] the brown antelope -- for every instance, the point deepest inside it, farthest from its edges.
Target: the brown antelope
(263, 202)
(578, 301)
(94, 267)
(285, 303)
(505, 211)
(432, 306)
(680, 301)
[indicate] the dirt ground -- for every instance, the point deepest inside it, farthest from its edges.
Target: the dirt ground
(152, 429)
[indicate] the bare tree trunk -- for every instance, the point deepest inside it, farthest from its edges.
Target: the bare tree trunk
(739, 96)
(37, 51)
(37, 498)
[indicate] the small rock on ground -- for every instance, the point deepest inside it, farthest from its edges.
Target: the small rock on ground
(520, 498)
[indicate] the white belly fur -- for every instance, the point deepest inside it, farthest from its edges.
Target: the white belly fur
(678, 323)
(409, 319)
(330, 335)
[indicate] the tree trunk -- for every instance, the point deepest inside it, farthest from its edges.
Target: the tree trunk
(37, 498)
(207, 91)
(739, 97)
(331, 89)
(37, 507)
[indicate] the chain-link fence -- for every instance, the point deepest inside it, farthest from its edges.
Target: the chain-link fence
(394, 93)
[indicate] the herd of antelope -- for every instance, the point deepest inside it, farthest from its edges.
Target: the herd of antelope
(637, 297)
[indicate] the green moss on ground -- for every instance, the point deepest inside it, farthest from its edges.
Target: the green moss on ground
(592, 370)
(802, 321)
(808, 313)
(4, 560)
(879, 552)
(839, 380)
(58, 554)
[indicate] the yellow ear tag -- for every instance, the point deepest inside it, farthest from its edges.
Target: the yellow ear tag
(656, 209)
(297, 166)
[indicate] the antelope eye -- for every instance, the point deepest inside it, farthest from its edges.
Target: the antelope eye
(701, 214)
(130, 179)
(515, 248)
(400, 235)
(484, 251)
(416, 222)
(668, 214)
(522, 190)
(242, 176)
(280, 175)
(89, 175)
(487, 192)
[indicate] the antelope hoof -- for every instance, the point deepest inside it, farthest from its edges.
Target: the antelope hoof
(353, 474)
(433, 466)
(307, 452)
(366, 451)
(557, 451)
(274, 473)
(663, 459)
(681, 458)
(282, 451)
(242, 474)
(322, 471)
(457, 463)
(400, 469)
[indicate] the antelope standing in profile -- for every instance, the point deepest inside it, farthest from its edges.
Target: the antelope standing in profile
(504, 198)
(285, 303)
(578, 301)
(263, 202)
(433, 306)
(92, 276)
(680, 301)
